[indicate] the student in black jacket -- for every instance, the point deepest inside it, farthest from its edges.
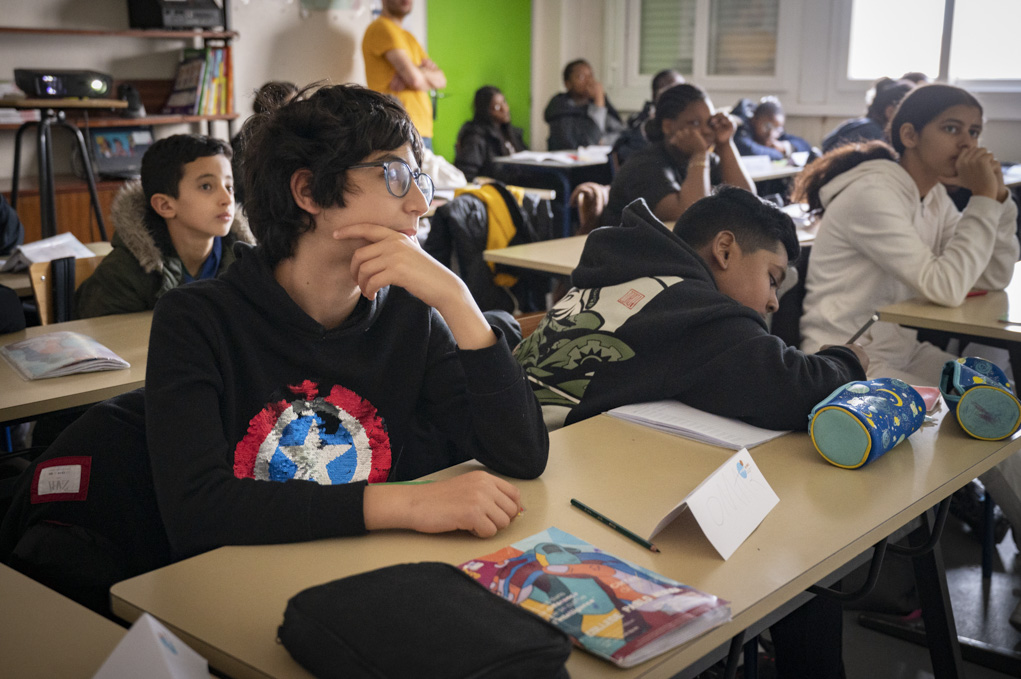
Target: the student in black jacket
(583, 115)
(659, 314)
(489, 134)
(336, 356)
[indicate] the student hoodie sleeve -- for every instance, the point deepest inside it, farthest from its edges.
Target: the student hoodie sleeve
(1005, 251)
(202, 503)
(482, 401)
(943, 278)
(733, 367)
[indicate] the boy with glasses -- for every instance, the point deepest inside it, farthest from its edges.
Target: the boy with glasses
(336, 351)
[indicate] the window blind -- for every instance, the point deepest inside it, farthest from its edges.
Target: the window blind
(742, 37)
(667, 36)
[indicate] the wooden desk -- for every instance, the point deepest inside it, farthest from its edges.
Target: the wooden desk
(978, 316)
(44, 634)
(559, 256)
(228, 603)
(126, 334)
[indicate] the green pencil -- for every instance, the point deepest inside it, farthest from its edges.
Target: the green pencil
(614, 525)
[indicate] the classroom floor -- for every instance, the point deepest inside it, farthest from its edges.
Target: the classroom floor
(870, 654)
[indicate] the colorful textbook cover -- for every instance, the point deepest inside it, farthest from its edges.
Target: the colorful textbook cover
(610, 607)
(56, 354)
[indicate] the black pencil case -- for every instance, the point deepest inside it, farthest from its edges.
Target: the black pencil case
(418, 620)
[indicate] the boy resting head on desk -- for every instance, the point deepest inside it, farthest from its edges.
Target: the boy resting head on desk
(175, 226)
(656, 314)
(336, 352)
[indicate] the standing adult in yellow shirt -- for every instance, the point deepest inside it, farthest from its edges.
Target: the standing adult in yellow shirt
(396, 64)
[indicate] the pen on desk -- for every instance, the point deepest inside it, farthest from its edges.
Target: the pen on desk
(977, 293)
(614, 525)
(861, 331)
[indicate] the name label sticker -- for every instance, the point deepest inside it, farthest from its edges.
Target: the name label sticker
(61, 479)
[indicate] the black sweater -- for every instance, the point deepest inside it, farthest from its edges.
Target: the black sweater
(645, 321)
(243, 388)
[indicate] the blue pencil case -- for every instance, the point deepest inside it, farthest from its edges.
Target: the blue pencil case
(861, 421)
(982, 397)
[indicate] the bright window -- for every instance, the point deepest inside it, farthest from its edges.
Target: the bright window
(891, 37)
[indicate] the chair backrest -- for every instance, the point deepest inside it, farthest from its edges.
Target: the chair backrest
(54, 283)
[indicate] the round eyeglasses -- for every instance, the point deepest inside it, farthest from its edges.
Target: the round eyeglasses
(399, 176)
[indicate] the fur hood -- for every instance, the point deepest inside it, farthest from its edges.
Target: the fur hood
(149, 247)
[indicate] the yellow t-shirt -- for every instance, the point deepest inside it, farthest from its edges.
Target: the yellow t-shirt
(381, 36)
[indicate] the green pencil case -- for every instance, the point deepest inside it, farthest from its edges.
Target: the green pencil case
(982, 397)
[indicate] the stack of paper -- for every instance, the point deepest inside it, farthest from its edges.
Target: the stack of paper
(674, 417)
(46, 250)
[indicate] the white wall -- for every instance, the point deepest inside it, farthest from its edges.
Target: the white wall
(807, 83)
(278, 41)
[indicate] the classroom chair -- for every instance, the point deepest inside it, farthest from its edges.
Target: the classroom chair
(54, 283)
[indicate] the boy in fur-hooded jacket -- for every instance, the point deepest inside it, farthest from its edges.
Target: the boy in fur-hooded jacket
(175, 226)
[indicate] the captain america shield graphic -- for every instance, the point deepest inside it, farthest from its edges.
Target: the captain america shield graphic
(330, 440)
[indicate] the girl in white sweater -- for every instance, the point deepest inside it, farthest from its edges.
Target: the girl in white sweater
(890, 232)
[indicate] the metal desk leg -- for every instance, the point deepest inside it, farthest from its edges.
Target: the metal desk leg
(940, 628)
(565, 192)
(17, 162)
(47, 199)
(90, 177)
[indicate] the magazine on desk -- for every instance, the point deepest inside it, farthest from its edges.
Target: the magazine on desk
(56, 354)
(46, 250)
(610, 607)
(674, 417)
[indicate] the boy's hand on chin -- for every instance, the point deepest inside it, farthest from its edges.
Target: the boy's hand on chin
(395, 258)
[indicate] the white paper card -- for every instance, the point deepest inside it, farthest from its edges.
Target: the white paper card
(64, 478)
(151, 650)
(729, 504)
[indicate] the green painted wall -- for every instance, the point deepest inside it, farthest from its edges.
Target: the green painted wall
(479, 43)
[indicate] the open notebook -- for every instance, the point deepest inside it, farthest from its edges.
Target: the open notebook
(674, 417)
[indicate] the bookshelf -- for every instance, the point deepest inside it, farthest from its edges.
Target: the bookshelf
(70, 196)
(153, 92)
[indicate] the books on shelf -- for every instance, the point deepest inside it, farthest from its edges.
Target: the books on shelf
(674, 417)
(60, 353)
(45, 250)
(610, 607)
(204, 84)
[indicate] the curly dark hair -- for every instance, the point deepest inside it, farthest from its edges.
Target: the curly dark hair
(756, 224)
(272, 95)
(324, 132)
